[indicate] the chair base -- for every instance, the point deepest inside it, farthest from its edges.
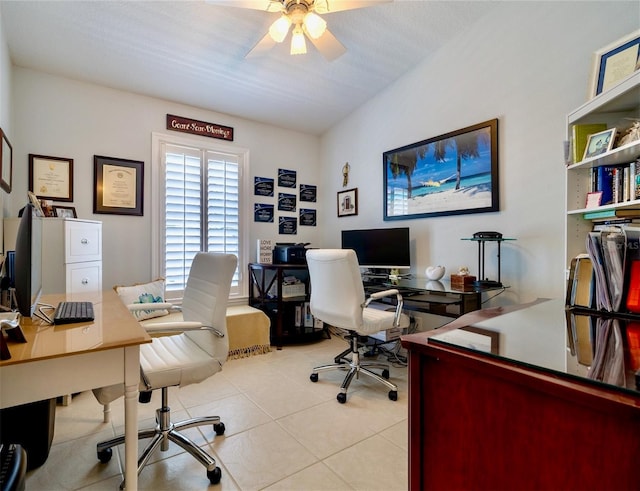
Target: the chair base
(355, 367)
(164, 432)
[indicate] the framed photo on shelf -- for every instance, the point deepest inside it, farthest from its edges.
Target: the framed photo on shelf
(614, 63)
(118, 186)
(6, 162)
(599, 143)
(594, 199)
(64, 211)
(51, 177)
(451, 174)
(348, 202)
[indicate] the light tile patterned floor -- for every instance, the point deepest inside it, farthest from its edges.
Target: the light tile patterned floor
(283, 432)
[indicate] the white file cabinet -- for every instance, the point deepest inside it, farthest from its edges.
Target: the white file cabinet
(71, 256)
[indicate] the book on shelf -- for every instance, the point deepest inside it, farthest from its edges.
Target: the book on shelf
(581, 284)
(612, 214)
(618, 183)
(580, 135)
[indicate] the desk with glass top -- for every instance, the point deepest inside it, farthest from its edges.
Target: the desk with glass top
(525, 397)
(433, 297)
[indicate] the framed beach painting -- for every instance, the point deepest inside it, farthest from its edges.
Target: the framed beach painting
(451, 174)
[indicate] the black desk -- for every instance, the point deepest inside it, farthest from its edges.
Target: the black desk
(433, 297)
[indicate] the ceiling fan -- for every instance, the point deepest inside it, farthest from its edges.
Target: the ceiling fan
(303, 16)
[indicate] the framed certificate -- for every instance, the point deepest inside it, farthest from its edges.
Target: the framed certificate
(51, 177)
(117, 186)
(614, 63)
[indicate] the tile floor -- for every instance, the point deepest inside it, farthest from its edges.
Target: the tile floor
(283, 432)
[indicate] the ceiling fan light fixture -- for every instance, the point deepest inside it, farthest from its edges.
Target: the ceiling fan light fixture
(298, 44)
(279, 29)
(314, 25)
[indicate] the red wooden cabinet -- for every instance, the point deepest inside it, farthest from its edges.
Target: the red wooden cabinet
(484, 422)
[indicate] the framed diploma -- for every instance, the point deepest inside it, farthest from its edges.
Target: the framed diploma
(614, 63)
(51, 177)
(117, 186)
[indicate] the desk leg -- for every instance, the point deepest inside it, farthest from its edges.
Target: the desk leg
(131, 381)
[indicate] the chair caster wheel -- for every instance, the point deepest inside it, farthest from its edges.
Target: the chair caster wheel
(385, 374)
(313, 377)
(215, 475)
(105, 455)
(219, 429)
(393, 395)
(342, 397)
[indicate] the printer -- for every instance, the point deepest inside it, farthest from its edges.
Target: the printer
(290, 253)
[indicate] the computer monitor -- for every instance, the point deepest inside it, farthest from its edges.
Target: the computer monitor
(380, 248)
(28, 262)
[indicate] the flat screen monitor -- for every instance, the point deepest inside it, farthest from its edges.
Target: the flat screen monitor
(28, 262)
(380, 248)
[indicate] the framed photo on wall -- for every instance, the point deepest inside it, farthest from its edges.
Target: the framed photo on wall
(451, 174)
(348, 202)
(51, 177)
(118, 186)
(6, 162)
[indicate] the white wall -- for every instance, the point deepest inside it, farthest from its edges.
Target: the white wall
(526, 63)
(5, 103)
(64, 118)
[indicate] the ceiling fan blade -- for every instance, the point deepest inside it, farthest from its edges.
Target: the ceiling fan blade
(262, 47)
(327, 6)
(265, 5)
(328, 46)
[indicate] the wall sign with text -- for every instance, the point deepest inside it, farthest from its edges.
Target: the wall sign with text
(201, 128)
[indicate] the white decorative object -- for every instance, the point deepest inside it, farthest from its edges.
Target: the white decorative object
(434, 272)
(463, 271)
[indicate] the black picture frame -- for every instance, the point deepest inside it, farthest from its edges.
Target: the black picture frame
(64, 211)
(451, 174)
(6, 162)
(51, 178)
(118, 186)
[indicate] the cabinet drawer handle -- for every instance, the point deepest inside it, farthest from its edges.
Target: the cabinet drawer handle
(85, 281)
(84, 241)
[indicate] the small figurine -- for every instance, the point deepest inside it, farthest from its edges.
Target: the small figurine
(463, 270)
(631, 135)
(345, 174)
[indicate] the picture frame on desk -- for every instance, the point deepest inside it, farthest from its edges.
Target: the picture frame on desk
(51, 177)
(614, 63)
(599, 143)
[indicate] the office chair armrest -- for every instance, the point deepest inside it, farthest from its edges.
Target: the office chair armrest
(178, 326)
(388, 293)
(133, 307)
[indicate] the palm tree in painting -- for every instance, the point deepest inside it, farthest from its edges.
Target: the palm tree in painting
(466, 145)
(404, 163)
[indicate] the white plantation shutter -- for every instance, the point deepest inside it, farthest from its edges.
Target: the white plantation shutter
(202, 210)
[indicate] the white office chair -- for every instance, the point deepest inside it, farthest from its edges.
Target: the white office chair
(337, 298)
(195, 350)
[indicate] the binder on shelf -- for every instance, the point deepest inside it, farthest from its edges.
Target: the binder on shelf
(581, 284)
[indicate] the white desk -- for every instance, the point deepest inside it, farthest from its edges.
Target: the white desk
(70, 358)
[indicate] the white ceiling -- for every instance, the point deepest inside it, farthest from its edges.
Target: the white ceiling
(193, 53)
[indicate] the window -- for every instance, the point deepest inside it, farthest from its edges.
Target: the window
(199, 208)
